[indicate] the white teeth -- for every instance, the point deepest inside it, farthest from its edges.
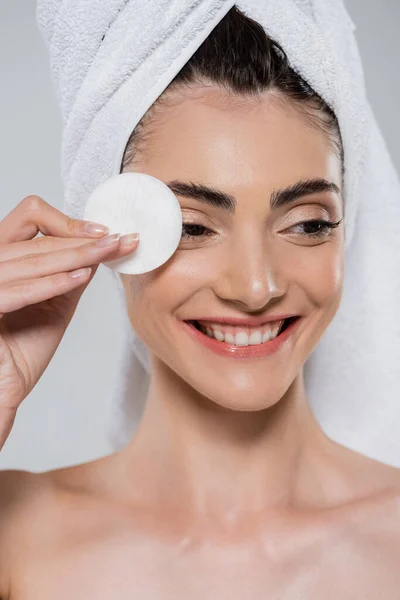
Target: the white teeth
(219, 335)
(241, 338)
(266, 336)
(255, 337)
(229, 338)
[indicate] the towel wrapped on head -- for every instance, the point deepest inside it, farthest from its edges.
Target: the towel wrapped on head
(112, 59)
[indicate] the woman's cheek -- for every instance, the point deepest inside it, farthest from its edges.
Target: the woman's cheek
(319, 268)
(320, 277)
(168, 287)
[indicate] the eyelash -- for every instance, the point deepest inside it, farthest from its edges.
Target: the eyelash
(325, 227)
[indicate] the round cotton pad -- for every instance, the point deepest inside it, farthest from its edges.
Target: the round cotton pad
(137, 202)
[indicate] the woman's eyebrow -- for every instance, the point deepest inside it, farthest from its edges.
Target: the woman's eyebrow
(220, 199)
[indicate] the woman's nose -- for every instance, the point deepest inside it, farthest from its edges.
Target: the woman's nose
(250, 275)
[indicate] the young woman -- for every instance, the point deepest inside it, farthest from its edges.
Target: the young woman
(229, 488)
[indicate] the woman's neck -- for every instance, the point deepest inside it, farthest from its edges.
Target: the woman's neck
(193, 455)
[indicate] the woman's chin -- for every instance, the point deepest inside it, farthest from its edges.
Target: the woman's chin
(241, 400)
(246, 406)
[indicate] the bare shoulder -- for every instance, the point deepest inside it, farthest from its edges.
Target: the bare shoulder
(377, 539)
(33, 507)
(375, 520)
(19, 490)
(369, 508)
(24, 493)
(387, 511)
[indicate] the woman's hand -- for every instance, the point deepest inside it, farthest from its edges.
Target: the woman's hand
(40, 288)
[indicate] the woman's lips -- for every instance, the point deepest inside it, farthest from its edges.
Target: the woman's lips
(242, 352)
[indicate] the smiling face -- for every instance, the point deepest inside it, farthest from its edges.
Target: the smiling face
(249, 259)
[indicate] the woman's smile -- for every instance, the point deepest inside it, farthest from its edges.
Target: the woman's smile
(246, 343)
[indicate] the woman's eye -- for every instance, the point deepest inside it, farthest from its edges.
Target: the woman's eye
(316, 228)
(193, 230)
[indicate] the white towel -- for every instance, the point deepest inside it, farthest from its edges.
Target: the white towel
(111, 59)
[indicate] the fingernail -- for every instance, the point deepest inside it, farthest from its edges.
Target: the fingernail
(108, 240)
(95, 228)
(129, 238)
(81, 272)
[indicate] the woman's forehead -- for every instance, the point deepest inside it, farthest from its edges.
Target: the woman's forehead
(263, 144)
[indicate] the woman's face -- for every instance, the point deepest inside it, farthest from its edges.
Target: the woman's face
(253, 261)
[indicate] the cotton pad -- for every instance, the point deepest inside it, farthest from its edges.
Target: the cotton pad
(137, 202)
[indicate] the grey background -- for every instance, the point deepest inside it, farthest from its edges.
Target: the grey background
(64, 419)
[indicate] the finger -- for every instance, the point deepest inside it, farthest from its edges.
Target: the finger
(32, 266)
(24, 293)
(33, 215)
(38, 245)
